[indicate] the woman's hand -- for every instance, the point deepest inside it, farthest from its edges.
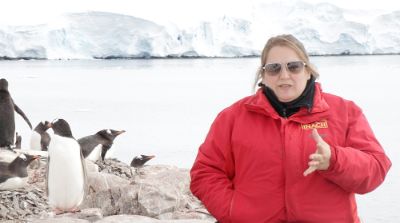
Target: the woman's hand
(321, 158)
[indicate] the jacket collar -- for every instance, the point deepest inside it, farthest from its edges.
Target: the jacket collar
(320, 109)
(287, 109)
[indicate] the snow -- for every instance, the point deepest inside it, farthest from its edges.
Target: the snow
(323, 28)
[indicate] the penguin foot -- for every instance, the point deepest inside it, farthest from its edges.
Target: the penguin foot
(74, 210)
(58, 211)
(61, 211)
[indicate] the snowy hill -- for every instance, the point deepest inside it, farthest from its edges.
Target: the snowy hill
(324, 29)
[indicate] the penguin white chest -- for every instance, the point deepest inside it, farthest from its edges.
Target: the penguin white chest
(7, 155)
(35, 141)
(14, 183)
(95, 154)
(66, 173)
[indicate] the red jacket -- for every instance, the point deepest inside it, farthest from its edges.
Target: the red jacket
(250, 167)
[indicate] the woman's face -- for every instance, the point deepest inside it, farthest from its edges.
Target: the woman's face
(287, 84)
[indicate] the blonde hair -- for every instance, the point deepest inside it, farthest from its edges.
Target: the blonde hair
(288, 41)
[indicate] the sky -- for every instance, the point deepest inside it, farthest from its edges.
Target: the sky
(26, 12)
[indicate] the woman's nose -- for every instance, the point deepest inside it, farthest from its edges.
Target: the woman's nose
(284, 73)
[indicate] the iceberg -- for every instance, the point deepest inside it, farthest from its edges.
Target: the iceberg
(323, 28)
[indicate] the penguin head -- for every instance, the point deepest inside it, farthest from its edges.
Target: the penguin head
(42, 126)
(139, 161)
(3, 84)
(22, 156)
(28, 157)
(109, 134)
(61, 128)
(24, 160)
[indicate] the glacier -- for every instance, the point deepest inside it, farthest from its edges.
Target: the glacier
(324, 28)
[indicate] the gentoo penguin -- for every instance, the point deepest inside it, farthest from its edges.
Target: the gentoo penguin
(96, 146)
(139, 161)
(66, 171)
(7, 118)
(18, 141)
(7, 155)
(14, 175)
(40, 139)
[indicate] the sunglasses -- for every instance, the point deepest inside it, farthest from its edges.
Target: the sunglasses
(294, 67)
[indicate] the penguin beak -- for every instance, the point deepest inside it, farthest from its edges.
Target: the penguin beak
(36, 157)
(120, 132)
(49, 125)
(151, 157)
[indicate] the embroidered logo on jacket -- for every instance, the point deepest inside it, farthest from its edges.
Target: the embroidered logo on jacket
(316, 125)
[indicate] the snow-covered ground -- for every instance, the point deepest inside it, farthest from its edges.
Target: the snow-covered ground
(324, 29)
(167, 105)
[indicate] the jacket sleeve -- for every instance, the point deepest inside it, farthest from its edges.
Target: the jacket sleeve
(361, 165)
(212, 170)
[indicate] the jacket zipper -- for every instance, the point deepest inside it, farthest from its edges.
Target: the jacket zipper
(284, 166)
(284, 113)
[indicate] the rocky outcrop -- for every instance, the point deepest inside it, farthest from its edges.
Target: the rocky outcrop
(24, 202)
(19, 204)
(116, 193)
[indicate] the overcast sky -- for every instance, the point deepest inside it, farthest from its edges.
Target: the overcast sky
(28, 12)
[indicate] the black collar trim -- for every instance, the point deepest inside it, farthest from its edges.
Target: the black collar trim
(286, 109)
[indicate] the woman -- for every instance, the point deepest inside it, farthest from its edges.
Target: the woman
(289, 153)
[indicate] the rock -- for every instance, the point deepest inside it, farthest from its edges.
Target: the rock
(87, 215)
(187, 214)
(127, 219)
(91, 167)
(22, 203)
(185, 221)
(104, 181)
(116, 200)
(115, 167)
(90, 214)
(144, 219)
(162, 189)
(156, 193)
(59, 220)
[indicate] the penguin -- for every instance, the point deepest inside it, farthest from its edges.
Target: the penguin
(40, 139)
(66, 170)
(139, 161)
(14, 174)
(96, 146)
(18, 141)
(7, 155)
(7, 118)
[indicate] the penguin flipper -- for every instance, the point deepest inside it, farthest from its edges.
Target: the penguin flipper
(44, 141)
(47, 176)
(5, 173)
(3, 178)
(20, 112)
(85, 183)
(104, 150)
(87, 145)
